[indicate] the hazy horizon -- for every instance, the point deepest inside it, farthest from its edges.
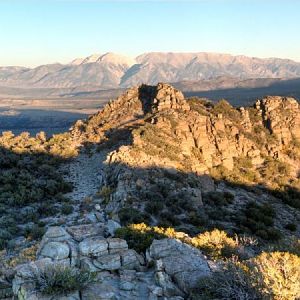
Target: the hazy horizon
(132, 56)
(35, 33)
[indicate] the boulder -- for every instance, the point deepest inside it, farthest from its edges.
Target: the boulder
(131, 260)
(94, 246)
(56, 250)
(112, 226)
(108, 262)
(116, 245)
(80, 232)
(168, 287)
(185, 264)
(100, 291)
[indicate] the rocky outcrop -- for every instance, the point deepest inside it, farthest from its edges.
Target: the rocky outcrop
(168, 98)
(191, 140)
(172, 133)
(179, 262)
(122, 273)
(155, 127)
(281, 116)
(162, 151)
(128, 110)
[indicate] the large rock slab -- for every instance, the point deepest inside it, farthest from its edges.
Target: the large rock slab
(56, 251)
(116, 245)
(108, 262)
(94, 246)
(100, 291)
(183, 263)
(81, 232)
(131, 260)
(112, 226)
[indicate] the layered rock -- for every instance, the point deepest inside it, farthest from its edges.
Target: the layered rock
(181, 262)
(122, 273)
(207, 139)
(281, 116)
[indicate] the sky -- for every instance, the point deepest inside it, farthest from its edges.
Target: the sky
(34, 32)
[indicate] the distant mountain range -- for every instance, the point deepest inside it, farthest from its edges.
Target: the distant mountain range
(111, 71)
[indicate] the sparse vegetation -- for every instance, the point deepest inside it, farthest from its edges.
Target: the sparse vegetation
(105, 193)
(67, 209)
(231, 282)
(131, 215)
(200, 105)
(60, 279)
(138, 236)
(218, 198)
(273, 275)
(30, 182)
(216, 243)
(223, 107)
(277, 275)
(259, 219)
(162, 176)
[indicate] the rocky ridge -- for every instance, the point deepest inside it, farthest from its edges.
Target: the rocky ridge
(168, 147)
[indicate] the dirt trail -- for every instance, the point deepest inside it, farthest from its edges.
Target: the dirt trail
(86, 172)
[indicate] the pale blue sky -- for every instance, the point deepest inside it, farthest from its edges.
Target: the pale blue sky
(34, 32)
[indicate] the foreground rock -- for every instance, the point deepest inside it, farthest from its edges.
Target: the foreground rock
(122, 273)
(178, 261)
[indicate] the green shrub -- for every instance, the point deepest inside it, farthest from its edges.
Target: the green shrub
(29, 176)
(197, 218)
(216, 243)
(232, 282)
(259, 219)
(277, 275)
(67, 209)
(59, 279)
(168, 219)
(200, 105)
(153, 207)
(138, 236)
(129, 215)
(289, 195)
(105, 193)
(35, 232)
(47, 209)
(274, 275)
(223, 107)
(276, 172)
(218, 198)
(291, 226)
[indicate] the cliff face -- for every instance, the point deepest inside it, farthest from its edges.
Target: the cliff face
(281, 116)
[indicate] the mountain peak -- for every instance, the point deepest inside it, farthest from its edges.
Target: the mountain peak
(119, 59)
(108, 57)
(89, 59)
